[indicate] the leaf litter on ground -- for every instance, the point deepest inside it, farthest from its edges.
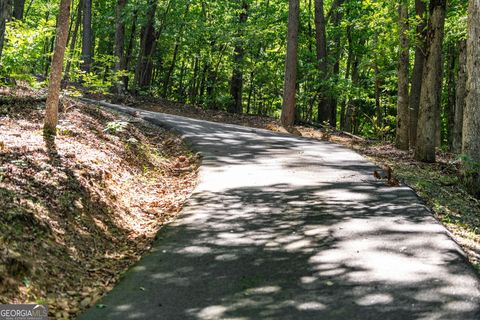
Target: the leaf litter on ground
(76, 212)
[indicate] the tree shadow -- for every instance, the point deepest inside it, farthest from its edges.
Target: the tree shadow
(52, 212)
(283, 227)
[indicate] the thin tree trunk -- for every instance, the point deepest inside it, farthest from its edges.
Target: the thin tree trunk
(171, 70)
(335, 16)
(236, 84)
(4, 7)
(471, 114)
(403, 61)
(166, 82)
(378, 92)
(119, 49)
(73, 40)
(51, 112)
(450, 106)
(193, 83)
(460, 96)
(87, 36)
(350, 116)
(416, 86)
(343, 115)
(432, 84)
(131, 40)
(288, 111)
(143, 72)
(324, 112)
(250, 91)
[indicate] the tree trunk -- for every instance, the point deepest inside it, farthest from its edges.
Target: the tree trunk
(471, 114)
(460, 96)
(350, 113)
(335, 16)
(288, 111)
(171, 70)
(51, 112)
(73, 40)
(324, 112)
(450, 106)
(119, 49)
(236, 84)
(143, 72)
(403, 62)
(87, 36)
(416, 87)
(131, 40)
(166, 82)
(18, 9)
(432, 84)
(4, 7)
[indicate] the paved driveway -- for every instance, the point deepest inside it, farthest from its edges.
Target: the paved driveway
(282, 227)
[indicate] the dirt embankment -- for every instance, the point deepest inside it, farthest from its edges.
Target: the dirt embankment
(78, 211)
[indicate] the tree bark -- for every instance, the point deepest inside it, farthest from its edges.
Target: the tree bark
(460, 96)
(351, 112)
(143, 72)
(416, 86)
(171, 69)
(73, 40)
(432, 84)
(450, 106)
(18, 9)
(403, 62)
(119, 48)
(4, 7)
(324, 112)
(288, 111)
(87, 36)
(471, 114)
(236, 84)
(51, 112)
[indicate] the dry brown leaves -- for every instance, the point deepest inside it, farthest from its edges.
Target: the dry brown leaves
(76, 212)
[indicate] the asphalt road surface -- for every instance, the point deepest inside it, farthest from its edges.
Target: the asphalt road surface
(283, 227)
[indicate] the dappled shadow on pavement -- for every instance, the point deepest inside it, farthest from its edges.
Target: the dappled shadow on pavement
(282, 227)
(274, 253)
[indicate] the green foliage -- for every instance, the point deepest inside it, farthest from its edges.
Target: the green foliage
(23, 55)
(193, 58)
(116, 126)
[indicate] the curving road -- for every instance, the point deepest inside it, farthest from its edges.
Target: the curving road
(282, 227)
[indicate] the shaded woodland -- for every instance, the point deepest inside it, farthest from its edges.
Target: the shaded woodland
(401, 71)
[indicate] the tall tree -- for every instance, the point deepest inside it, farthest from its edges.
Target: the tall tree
(403, 66)
(143, 72)
(335, 15)
(51, 112)
(119, 47)
(416, 86)
(236, 84)
(460, 96)
(87, 36)
(288, 111)
(449, 107)
(324, 112)
(471, 119)
(73, 39)
(432, 84)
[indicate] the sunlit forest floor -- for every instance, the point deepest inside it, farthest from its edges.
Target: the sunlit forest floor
(438, 184)
(78, 211)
